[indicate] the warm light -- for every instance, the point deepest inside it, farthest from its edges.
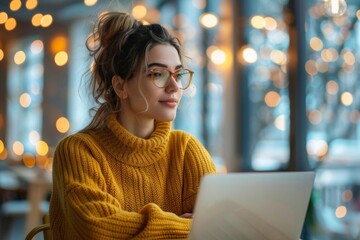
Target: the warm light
(1, 54)
(280, 122)
(315, 117)
(347, 195)
(347, 98)
(10, 24)
(19, 57)
(58, 44)
(36, 46)
(18, 148)
(316, 44)
(218, 56)
(25, 100)
(42, 148)
(2, 146)
(270, 23)
(3, 17)
(208, 20)
(249, 55)
(258, 22)
(139, 12)
(34, 137)
(62, 125)
(36, 20)
(272, 99)
(3, 155)
(329, 55)
(317, 147)
(46, 20)
(310, 67)
(349, 58)
(278, 57)
(358, 14)
(335, 8)
(15, 5)
(29, 160)
(332, 87)
(340, 212)
(61, 58)
(31, 4)
(90, 3)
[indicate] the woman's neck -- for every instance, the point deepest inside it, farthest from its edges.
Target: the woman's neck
(137, 125)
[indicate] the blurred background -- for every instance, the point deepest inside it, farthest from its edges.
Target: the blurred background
(276, 88)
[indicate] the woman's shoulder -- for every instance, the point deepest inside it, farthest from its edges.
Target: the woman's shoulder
(183, 136)
(76, 139)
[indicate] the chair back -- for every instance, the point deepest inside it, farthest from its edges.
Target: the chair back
(45, 228)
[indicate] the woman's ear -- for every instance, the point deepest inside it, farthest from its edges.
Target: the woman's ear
(119, 86)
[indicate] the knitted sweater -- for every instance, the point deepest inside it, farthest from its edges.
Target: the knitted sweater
(111, 184)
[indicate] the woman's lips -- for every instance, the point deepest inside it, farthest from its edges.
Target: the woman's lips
(169, 102)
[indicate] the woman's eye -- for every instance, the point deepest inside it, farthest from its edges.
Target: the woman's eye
(157, 74)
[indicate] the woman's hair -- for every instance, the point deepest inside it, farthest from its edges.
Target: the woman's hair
(119, 46)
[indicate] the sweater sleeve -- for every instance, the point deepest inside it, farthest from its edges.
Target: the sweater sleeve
(197, 163)
(89, 211)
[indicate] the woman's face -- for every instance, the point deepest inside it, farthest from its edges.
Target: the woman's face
(148, 101)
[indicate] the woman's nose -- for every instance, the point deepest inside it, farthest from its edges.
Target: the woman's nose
(173, 84)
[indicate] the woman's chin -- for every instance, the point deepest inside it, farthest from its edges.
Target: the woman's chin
(167, 118)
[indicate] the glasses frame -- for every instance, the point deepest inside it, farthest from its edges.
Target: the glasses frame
(175, 74)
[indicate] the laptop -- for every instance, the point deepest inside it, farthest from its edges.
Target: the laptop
(261, 205)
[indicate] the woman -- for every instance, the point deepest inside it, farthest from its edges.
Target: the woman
(127, 175)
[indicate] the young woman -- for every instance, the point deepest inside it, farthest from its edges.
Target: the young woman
(128, 175)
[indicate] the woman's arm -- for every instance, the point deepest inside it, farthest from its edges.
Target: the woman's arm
(197, 163)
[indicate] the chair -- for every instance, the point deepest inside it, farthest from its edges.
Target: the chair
(45, 228)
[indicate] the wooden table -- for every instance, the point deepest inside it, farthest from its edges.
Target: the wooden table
(40, 184)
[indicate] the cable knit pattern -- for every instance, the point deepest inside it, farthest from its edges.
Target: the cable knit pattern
(111, 184)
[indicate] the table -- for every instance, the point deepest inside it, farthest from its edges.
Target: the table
(40, 184)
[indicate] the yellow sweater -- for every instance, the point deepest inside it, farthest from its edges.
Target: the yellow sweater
(111, 184)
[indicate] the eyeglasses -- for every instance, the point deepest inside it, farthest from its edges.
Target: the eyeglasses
(161, 77)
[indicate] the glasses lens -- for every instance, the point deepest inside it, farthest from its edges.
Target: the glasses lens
(184, 78)
(160, 77)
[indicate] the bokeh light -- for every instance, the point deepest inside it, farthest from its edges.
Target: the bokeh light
(347, 98)
(31, 4)
(15, 5)
(62, 124)
(208, 20)
(340, 211)
(36, 19)
(1, 54)
(90, 3)
(139, 11)
(3, 17)
(10, 24)
(61, 58)
(29, 160)
(46, 20)
(19, 57)
(272, 99)
(25, 100)
(18, 148)
(42, 148)
(36, 46)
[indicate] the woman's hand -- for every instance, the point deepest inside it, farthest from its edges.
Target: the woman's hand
(187, 215)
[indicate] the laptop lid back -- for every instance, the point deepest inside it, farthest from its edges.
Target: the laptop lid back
(267, 205)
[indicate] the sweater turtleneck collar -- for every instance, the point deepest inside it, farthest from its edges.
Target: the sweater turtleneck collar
(133, 150)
